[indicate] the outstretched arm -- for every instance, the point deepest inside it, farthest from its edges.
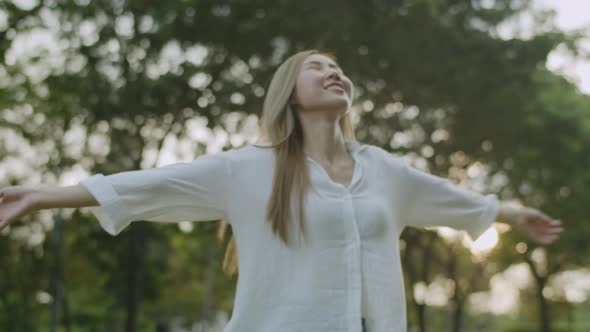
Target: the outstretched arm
(16, 202)
(430, 200)
(62, 197)
(435, 201)
(186, 191)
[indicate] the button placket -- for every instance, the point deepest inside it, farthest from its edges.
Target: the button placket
(351, 228)
(354, 265)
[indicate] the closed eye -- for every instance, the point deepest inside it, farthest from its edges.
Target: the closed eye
(318, 65)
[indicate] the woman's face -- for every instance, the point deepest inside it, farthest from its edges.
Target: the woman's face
(322, 85)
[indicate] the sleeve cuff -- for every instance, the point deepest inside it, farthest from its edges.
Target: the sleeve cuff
(486, 219)
(112, 214)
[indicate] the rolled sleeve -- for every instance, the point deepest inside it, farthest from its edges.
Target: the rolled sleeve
(112, 214)
(486, 219)
(193, 191)
(435, 201)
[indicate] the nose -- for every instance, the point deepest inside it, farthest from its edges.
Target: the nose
(334, 74)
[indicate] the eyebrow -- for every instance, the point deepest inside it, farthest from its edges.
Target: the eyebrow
(319, 63)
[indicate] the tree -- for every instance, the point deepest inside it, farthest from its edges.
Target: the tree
(433, 80)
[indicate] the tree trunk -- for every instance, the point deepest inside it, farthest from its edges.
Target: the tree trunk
(544, 314)
(134, 276)
(540, 280)
(66, 304)
(207, 309)
(56, 275)
(421, 311)
(457, 317)
(412, 274)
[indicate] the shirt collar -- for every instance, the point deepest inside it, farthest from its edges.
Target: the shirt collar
(352, 144)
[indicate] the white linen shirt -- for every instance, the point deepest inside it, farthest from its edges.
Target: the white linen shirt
(347, 267)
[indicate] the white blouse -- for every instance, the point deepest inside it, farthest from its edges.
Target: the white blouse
(346, 269)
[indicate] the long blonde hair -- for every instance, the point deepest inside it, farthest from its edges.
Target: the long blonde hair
(280, 125)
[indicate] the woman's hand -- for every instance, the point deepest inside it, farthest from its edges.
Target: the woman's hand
(15, 202)
(532, 223)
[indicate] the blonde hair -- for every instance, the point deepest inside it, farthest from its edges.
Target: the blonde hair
(280, 125)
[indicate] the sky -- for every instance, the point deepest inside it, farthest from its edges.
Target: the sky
(571, 14)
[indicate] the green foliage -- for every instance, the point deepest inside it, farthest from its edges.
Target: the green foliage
(137, 73)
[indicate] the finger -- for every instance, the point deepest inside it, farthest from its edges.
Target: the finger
(553, 230)
(551, 223)
(545, 229)
(552, 226)
(545, 241)
(546, 220)
(545, 233)
(549, 239)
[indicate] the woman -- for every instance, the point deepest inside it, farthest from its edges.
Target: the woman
(318, 240)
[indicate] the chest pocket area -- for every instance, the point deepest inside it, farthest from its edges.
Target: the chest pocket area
(324, 219)
(375, 218)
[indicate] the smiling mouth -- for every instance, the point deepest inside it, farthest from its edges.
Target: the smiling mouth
(335, 84)
(339, 87)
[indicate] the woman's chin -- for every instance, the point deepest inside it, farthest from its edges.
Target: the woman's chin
(338, 104)
(334, 105)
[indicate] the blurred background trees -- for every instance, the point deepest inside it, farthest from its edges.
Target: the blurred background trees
(107, 86)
